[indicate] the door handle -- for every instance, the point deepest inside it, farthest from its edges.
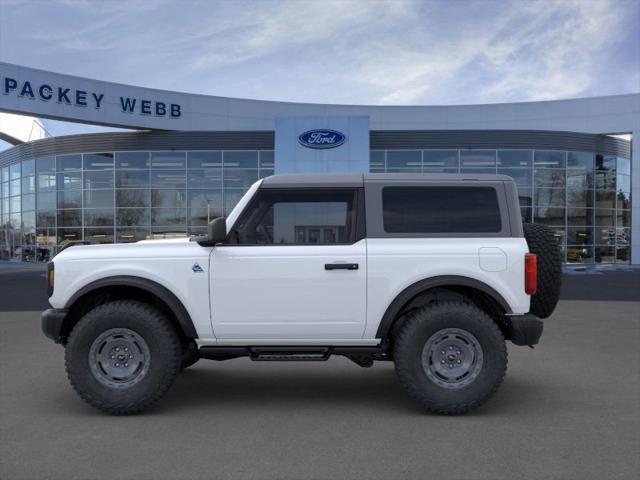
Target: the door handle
(341, 266)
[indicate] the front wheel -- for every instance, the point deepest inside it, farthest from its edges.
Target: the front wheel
(123, 356)
(450, 356)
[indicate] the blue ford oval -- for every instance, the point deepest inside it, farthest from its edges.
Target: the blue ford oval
(322, 138)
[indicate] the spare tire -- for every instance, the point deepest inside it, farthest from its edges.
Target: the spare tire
(542, 242)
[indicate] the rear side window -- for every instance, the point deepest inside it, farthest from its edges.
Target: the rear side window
(441, 210)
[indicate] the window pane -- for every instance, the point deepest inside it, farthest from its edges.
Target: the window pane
(70, 199)
(515, 158)
(126, 235)
(205, 178)
(98, 161)
(70, 180)
(623, 183)
(546, 197)
(579, 216)
(132, 198)
(14, 186)
(45, 165)
(605, 163)
(440, 210)
(549, 215)
(46, 218)
(29, 202)
(28, 167)
(132, 160)
(623, 255)
(605, 199)
(440, 159)
(46, 181)
(28, 184)
(579, 254)
(46, 201)
(605, 236)
(169, 217)
(168, 178)
(578, 197)
(299, 218)
(624, 166)
(527, 216)
(404, 159)
(605, 218)
(623, 200)
(98, 199)
(168, 160)
(549, 178)
(70, 218)
(204, 159)
(623, 218)
(580, 235)
(98, 217)
(477, 158)
(579, 178)
(266, 159)
(376, 159)
(239, 178)
(132, 178)
(69, 162)
(98, 179)
(4, 177)
(168, 198)
(68, 235)
(202, 198)
(98, 235)
(582, 160)
(605, 255)
(241, 159)
(202, 216)
(132, 216)
(549, 159)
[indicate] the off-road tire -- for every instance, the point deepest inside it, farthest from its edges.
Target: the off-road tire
(542, 242)
(165, 356)
(190, 356)
(415, 333)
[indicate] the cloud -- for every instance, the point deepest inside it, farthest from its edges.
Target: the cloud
(338, 51)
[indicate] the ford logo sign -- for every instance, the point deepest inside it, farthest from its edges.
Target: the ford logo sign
(322, 138)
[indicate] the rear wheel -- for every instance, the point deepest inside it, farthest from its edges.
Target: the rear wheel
(450, 356)
(122, 357)
(542, 242)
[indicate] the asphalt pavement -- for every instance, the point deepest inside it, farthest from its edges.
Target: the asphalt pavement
(570, 409)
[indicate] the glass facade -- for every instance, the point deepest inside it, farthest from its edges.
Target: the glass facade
(584, 197)
(107, 197)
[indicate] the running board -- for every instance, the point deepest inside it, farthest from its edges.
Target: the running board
(362, 355)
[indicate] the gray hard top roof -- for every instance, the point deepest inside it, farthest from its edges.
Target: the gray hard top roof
(292, 180)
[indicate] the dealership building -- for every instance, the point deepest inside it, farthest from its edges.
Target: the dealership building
(189, 158)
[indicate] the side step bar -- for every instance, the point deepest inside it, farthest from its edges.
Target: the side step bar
(363, 356)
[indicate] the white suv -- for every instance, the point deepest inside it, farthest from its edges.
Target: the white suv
(431, 272)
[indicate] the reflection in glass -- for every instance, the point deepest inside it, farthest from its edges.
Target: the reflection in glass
(549, 159)
(97, 161)
(168, 160)
(138, 160)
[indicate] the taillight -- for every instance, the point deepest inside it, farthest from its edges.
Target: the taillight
(530, 273)
(50, 278)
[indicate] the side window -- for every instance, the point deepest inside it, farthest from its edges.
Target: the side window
(290, 217)
(441, 210)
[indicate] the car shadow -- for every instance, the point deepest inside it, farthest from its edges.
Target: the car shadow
(377, 389)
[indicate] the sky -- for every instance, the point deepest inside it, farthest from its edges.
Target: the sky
(395, 52)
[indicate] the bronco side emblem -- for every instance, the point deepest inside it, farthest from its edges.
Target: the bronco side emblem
(197, 268)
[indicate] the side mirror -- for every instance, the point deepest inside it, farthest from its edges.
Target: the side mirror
(217, 230)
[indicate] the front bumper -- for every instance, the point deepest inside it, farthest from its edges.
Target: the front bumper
(524, 329)
(52, 322)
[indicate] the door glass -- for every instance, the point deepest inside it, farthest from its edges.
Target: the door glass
(320, 217)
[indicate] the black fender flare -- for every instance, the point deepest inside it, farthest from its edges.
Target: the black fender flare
(420, 286)
(154, 288)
